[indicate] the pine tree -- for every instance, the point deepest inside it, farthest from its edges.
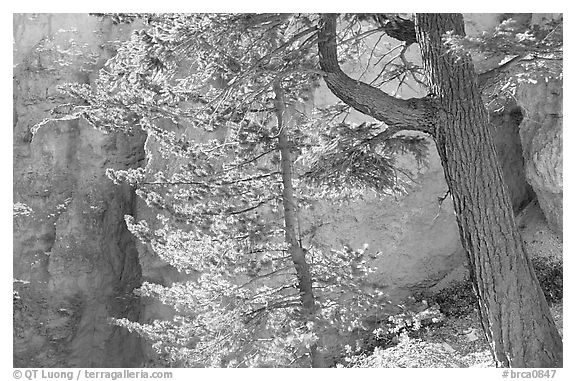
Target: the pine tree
(229, 207)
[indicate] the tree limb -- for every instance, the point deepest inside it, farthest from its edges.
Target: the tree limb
(417, 114)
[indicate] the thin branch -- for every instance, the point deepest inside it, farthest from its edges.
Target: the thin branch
(364, 35)
(400, 83)
(257, 277)
(256, 206)
(282, 304)
(246, 179)
(251, 160)
(371, 56)
(387, 53)
(405, 173)
(440, 201)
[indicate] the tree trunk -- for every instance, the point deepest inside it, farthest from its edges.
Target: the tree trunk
(291, 223)
(513, 310)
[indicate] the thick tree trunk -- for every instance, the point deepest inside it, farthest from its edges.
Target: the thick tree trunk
(290, 224)
(513, 310)
(516, 318)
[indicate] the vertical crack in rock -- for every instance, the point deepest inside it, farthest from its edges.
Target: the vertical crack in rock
(506, 134)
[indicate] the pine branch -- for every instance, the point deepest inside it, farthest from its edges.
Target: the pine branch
(212, 183)
(484, 79)
(267, 275)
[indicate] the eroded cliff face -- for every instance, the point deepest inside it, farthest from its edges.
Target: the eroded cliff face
(541, 135)
(75, 263)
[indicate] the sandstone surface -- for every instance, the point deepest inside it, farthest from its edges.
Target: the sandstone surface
(541, 135)
(75, 264)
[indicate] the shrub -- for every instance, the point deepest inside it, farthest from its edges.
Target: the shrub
(457, 300)
(413, 319)
(411, 353)
(549, 273)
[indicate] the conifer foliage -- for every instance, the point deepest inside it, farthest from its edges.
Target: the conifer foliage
(228, 208)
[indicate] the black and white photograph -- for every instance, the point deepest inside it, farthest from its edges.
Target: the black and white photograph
(287, 190)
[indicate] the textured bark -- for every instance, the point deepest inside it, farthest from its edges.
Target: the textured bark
(394, 26)
(516, 318)
(513, 310)
(291, 224)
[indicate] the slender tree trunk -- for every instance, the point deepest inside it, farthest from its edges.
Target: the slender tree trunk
(514, 312)
(516, 319)
(291, 224)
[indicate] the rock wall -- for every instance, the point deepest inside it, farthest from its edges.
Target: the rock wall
(75, 263)
(416, 236)
(541, 135)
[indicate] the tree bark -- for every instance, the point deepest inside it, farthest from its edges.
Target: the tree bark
(513, 310)
(295, 249)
